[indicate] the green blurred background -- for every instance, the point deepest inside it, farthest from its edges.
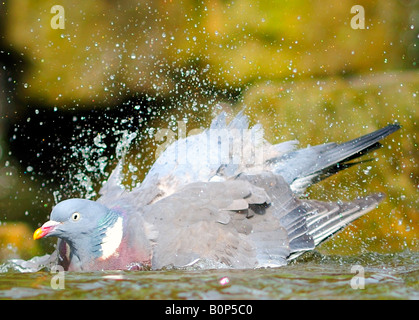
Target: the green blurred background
(67, 96)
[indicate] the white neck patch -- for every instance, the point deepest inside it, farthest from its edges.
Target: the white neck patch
(112, 239)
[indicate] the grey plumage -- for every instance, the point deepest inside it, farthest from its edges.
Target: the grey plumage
(224, 210)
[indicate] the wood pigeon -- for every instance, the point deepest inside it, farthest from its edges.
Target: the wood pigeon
(224, 198)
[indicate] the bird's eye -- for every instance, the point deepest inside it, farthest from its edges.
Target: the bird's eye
(75, 216)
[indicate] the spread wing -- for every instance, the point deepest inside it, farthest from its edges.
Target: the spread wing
(226, 150)
(218, 153)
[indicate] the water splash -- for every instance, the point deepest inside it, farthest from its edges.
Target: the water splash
(91, 162)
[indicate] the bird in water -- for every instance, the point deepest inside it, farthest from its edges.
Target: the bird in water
(224, 198)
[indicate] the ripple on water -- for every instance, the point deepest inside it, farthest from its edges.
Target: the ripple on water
(387, 276)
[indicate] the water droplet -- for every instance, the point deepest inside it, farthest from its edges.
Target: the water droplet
(367, 170)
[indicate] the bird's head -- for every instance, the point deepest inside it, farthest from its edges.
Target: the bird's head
(87, 226)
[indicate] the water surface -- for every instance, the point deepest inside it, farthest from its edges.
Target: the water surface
(314, 276)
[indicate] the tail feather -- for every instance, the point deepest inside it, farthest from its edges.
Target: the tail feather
(335, 216)
(323, 219)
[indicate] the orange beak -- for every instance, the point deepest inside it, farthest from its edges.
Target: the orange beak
(45, 230)
(39, 233)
